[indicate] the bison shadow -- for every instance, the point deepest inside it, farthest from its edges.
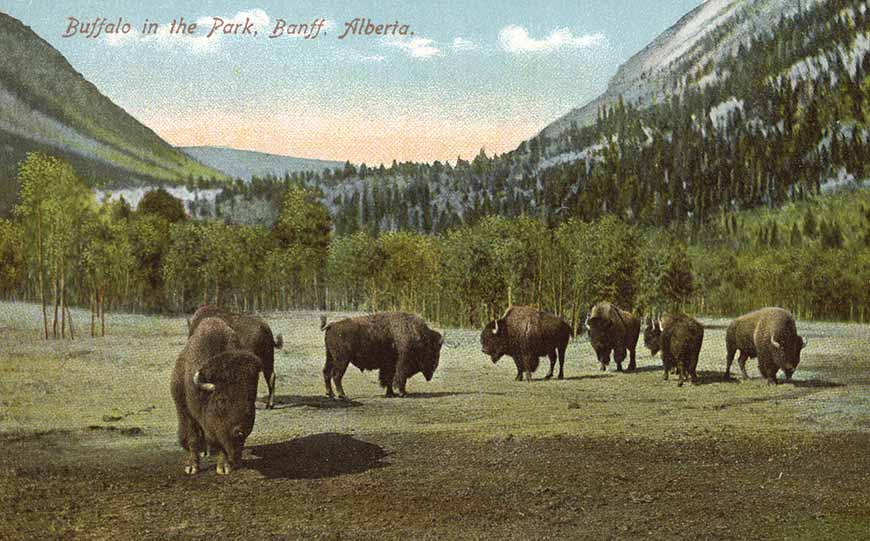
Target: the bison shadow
(320, 402)
(814, 384)
(316, 457)
(578, 378)
(646, 368)
(442, 394)
(706, 377)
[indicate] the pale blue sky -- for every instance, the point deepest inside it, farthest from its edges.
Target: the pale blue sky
(473, 74)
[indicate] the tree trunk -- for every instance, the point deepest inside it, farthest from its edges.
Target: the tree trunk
(62, 301)
(41, 271)
(72, 332)
(93, 310)
(56, 305)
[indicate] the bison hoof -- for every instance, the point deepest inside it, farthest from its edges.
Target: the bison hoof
(191, 470)
(548, 376)
(561, 376)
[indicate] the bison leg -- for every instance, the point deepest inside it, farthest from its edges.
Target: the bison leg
(632, 361)
(552, 356)
(742, 361)
(224, 466)
(619, 357)
(327, 374)
(519, 365)
(385, 376)
(399, 380)
(338, 373)
(729, 359)
(562, 362)
(270, 382)
(681, 370)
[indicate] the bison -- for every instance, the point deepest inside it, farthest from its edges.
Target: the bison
(527, 334)
(214, 386)
(255, 336)
(616, 330)
(679, 338)
(397, 344)
(769, 334)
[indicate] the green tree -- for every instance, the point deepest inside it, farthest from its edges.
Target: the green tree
(161, 203)
(11, 257)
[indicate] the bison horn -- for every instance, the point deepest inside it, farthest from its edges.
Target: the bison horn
(202, 386)
(804, 342)
(659, 323)
(775, 343)
(495, 329)
(441, 340)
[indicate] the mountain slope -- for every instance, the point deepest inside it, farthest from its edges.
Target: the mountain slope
(46, 104)
(684, 55)
(740, 105)
(245, 164)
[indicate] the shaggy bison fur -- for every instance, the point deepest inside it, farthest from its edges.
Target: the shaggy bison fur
(679, 338)
(214, 386)
(255, 336)
(616, 330)
(527, 334)
(396, 344)
(769, 334)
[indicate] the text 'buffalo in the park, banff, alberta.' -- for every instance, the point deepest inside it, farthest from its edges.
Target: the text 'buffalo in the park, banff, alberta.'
(219, 26)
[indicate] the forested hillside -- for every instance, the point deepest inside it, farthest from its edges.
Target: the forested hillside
(782, 115)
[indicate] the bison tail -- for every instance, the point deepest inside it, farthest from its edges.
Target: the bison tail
(279, 341)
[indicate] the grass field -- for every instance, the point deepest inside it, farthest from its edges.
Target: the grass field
(87, 429)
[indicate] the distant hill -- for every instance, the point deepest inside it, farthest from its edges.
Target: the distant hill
(46, 105)
(245, 164)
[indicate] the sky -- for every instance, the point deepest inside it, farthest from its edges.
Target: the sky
(465, 75)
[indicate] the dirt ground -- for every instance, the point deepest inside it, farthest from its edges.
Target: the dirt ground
(87, 430)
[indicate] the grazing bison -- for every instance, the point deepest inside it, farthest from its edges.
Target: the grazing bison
(769, 334)
(679, 338)
(526, 335)
(396, 344)
(214, 386)
(613, 329)
(255, 336)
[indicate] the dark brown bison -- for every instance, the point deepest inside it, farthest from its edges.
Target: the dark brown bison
(527, 334)
(616, 330)
(214, 386)
(679, 338)
(769, 334)
(255, 336)
(396, 344)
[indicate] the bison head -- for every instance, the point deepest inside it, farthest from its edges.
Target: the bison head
(787, 353)
(600, 327)
(494, 339)
(652, 337)
(431, 354)
(231, 381)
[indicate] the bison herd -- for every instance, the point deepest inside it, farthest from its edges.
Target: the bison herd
(214, 382)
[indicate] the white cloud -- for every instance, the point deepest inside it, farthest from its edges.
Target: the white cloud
(462, 44)
(198, 42)
(415, 47)
(516, 39)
